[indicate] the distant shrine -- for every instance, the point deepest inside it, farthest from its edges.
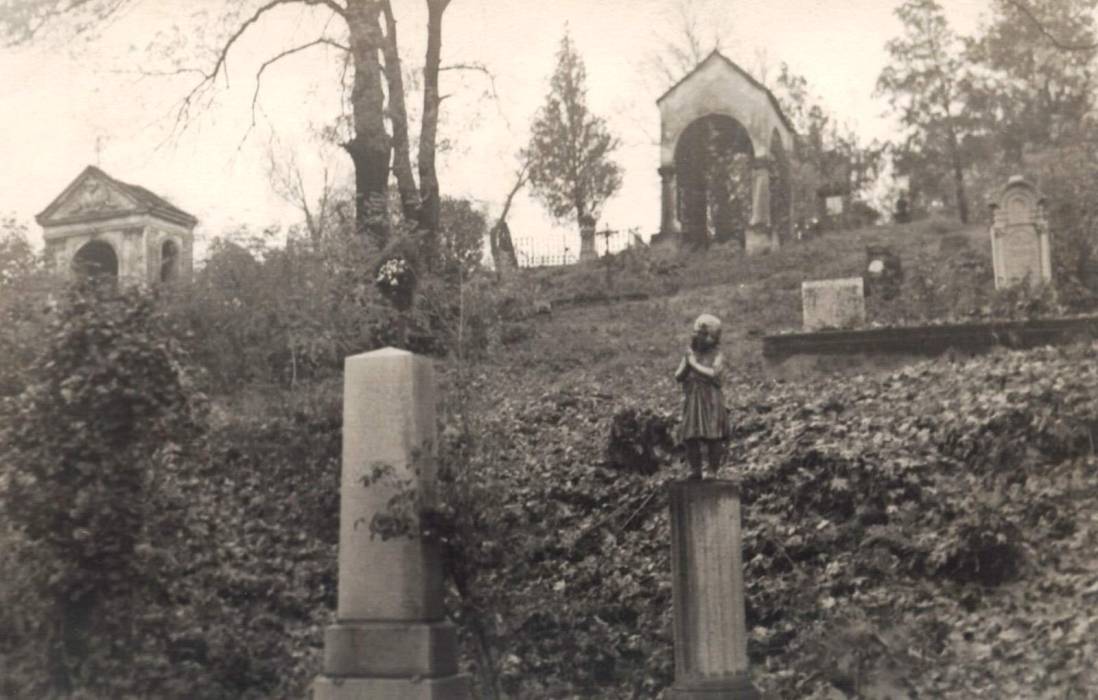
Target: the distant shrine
(101, 226)
(724, 163)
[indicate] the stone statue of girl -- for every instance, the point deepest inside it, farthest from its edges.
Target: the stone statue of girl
(704, 417)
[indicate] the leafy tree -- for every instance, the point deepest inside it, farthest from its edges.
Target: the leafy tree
(828, 154)
(463, 230)
(1029, 92)
(923, 84)
(23, 291)
(570, 148)
(17, 257)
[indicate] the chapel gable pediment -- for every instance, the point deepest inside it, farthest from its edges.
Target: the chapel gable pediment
(93, 195)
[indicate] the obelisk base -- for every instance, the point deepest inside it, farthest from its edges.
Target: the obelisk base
(335, 688)
(736, 687)
(400, 660)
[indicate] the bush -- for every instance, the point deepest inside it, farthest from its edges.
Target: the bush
(87, 449)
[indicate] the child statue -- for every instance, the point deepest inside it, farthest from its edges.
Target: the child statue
(704, 417)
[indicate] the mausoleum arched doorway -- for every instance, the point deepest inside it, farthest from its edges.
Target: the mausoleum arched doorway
(714, 159)
(96, 259)
(748, 127)
(169, 261)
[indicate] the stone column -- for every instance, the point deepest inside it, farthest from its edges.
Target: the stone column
(587, 239)
(707, 590)
(759, 237)
(668, 205)
(390, 639)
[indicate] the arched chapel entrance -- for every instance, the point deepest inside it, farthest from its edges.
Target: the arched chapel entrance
(96, 259)
(724, 165)
(714, 159)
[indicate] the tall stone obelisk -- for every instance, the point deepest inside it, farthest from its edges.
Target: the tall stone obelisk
(390, 640)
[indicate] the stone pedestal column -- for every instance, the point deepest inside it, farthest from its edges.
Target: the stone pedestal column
(759, 236)
(587, 239)
(390, 640)
(668, 205)
(707, 590)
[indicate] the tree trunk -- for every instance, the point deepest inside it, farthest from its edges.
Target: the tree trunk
(499, 238)
(958, 177)
(428, 177)
(398, 114)
(370, 147)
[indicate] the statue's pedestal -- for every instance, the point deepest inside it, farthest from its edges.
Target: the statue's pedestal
(707, 590)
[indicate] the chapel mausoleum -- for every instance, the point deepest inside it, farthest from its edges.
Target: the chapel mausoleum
(102, 226)
(724, 159)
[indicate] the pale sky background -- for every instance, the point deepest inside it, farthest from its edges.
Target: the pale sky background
(59, 98)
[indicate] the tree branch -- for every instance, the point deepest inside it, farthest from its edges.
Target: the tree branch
(1022, 7)
(484, 70)
(281, 55)
(223, 56)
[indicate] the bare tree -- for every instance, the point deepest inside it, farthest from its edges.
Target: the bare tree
(692, 36)
(287, 179)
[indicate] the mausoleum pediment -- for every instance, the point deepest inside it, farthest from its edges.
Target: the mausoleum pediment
(96, 196)
(93, 195)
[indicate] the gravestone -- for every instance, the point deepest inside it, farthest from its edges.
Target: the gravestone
(836, 303)
(1019, 236)
(707, 592)
(833, 205)
(884, 273)
(587, 239)
(902, 213)
(390, 639)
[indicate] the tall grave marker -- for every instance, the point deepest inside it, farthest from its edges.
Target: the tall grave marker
(1019, 236)
(390, 639)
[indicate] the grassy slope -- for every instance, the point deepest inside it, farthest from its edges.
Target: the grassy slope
(631, 348)
(844, 619)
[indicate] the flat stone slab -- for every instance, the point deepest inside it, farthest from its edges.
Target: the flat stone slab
(834, 303)
(932, 340)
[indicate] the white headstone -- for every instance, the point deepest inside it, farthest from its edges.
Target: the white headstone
(837, 303)
(1019, 236)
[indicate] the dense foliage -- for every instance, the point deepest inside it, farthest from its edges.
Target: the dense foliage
(898, 529)
(87, 448)
(146, 555)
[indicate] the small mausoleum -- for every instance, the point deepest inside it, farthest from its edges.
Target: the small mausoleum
(724, 159)
(102, 226)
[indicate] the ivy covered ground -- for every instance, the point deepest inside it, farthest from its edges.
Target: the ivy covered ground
(925, 533)
(931, 532)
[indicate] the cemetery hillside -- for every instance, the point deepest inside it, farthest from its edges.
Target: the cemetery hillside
(922, 531)
(823, 428)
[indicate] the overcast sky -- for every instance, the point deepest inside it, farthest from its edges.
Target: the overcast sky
(66, 104)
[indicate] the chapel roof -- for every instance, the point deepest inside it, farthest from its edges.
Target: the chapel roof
(147, 202)
(716, 55)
